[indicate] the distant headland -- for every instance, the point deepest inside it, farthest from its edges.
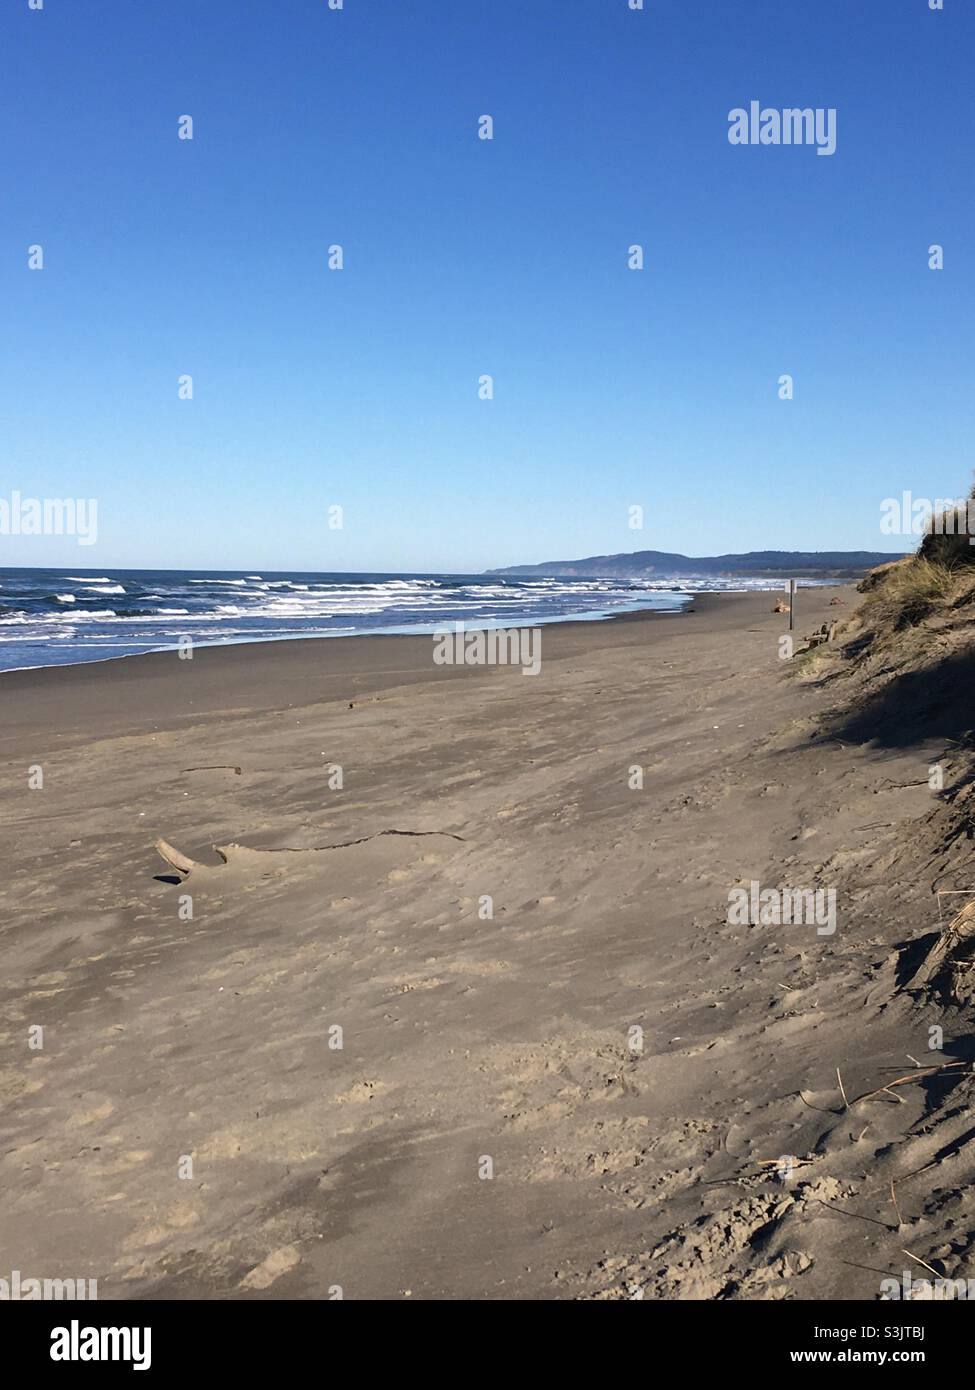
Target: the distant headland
(754, 564)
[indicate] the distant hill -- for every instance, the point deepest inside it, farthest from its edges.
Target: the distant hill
(755, 564)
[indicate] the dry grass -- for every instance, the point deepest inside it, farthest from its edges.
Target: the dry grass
(949, 536)
(907, 592)
(914, 613)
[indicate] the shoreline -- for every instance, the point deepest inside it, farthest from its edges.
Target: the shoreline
(128, 694)
(695, 601)
(426, 628)
(420, 629)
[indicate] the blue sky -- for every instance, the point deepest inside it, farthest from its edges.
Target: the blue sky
(359, 387)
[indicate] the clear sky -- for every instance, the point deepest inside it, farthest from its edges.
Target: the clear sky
(463, 257)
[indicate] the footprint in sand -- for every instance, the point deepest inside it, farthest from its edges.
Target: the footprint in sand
(125, 1162)
(178, 1219)
(362, 1091)
(81, 1118)
(272, 1267)
(407, 986)
(53, 977)
(14, 1084)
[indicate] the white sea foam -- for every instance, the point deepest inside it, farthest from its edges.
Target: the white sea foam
(257, 609)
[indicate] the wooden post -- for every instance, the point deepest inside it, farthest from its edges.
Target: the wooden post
(792, 604)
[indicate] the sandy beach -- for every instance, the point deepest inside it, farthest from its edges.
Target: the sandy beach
(474, 1024)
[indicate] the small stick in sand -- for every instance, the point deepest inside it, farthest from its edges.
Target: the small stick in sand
(846, 1103)
(917, 1075)
(777, 1162)
(216, 767)
(922, 1263)
(893, 1198)
(820, 1108)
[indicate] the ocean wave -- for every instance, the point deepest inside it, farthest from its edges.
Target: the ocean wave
(160, 607)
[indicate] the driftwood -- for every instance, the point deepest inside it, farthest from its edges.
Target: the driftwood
(825, 634)
(186, 865)
(243, 854)
(173, 857)
(949, 967)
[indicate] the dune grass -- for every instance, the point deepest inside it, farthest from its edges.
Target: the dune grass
(909, 591)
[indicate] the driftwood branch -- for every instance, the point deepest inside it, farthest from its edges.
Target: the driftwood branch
(174, 858)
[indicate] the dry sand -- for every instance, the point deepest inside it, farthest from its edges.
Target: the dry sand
(469, 1043)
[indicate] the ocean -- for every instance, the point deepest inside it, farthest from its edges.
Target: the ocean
(54, 617)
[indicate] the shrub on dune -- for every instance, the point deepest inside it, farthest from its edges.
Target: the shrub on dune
(950, 536)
